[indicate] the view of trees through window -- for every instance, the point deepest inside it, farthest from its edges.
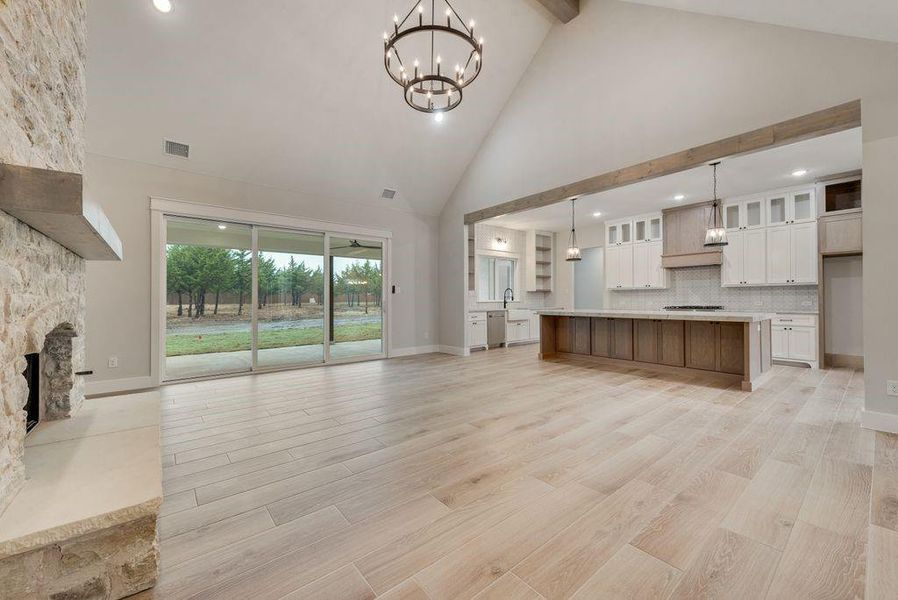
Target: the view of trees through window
(210, 273)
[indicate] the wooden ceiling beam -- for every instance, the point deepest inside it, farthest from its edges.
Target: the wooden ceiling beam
(564, 10)
(823, 122)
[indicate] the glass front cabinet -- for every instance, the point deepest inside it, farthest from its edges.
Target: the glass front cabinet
(748, 214)
(792, 207)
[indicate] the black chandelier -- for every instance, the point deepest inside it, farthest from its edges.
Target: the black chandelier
(428, 88)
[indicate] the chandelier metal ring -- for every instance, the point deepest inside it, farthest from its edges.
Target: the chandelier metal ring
(453, 88)
(430, 90)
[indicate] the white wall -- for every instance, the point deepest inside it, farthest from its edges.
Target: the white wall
(623, 83)
(118, 299)
(843, 281)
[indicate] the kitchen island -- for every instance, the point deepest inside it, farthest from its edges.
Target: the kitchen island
(730, 345)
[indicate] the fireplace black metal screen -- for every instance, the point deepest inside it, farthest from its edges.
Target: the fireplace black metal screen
(33, 377)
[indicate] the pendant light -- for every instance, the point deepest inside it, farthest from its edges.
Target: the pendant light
(573, 250)
(716, 235)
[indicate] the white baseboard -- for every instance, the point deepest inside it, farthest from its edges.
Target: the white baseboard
(412, 350)
(879, 421)
(455, 350)
(113, 386)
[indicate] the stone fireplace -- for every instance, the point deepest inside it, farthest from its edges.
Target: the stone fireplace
(79, 496)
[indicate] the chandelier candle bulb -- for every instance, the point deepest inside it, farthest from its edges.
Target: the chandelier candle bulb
(421, 85)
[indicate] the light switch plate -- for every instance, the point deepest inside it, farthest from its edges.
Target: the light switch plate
(892, 387)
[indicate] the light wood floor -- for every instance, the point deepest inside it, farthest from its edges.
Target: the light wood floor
(502, 477)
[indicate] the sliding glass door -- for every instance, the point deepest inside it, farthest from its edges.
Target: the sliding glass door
(208, 324)
(244, 297)
(290, 308)
(356, 291)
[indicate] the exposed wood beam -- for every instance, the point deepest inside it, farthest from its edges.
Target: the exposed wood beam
(564, 10)
(824, 122)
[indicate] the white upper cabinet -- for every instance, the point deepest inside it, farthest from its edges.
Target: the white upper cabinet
(792, 207)
(779, 254)
(804, 253)
(744, 258)
(635, 266)
(619, 267)
(619, 233)
(748, 214)
(647, 228)
(754, 259)
(792, 254)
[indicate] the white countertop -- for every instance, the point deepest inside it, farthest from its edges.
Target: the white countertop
(674, 315)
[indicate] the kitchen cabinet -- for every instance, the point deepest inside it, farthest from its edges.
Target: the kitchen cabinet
(647, 270)
(618, 233)
(517, 331)
(745, 258)
(611, 338)
(646, 336)
(477, 330)
(647, 228)
(841, 233)
(791, 207)
(748, 214)
(792, 254)
(715, 346)
(619, 267)
(794, 337)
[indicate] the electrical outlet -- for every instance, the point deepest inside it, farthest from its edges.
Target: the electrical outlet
(892, 387)
(112, 363)
(426, 335)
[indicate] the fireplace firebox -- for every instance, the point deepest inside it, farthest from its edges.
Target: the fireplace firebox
(33, 404)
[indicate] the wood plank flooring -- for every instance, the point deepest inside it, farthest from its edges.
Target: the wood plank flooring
(502, 476)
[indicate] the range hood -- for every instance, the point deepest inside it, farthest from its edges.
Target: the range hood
(684, 237)
(53, 203)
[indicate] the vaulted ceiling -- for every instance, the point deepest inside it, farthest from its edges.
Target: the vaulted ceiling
(872, 19)
(293, 94)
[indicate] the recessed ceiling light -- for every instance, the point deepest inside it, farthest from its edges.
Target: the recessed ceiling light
(799, 173)
(679, 197)
(597, 214)
(222, 226)
(163, 6)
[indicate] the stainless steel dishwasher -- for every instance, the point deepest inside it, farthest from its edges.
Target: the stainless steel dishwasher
(495, 328)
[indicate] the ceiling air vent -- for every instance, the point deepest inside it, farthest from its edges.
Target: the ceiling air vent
(177, 149)
(388, 194)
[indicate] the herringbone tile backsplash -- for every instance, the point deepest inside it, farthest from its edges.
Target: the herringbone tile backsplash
(701, 285)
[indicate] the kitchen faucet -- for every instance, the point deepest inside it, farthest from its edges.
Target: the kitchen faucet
(505, 297)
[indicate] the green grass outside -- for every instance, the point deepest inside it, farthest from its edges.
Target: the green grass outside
(186, 344)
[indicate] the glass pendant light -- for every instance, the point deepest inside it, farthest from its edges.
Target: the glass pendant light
(573, 250)
(716, 235)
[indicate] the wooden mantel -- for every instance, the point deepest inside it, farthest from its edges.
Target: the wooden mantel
(53, 203)
(564, 10)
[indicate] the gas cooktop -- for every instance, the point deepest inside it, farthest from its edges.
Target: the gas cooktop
(693, 307)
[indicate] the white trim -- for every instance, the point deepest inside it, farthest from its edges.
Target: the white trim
(201, 210)
(112, 386)
(454, 350)
(158, 236)
(879, 421)
(413, 350)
